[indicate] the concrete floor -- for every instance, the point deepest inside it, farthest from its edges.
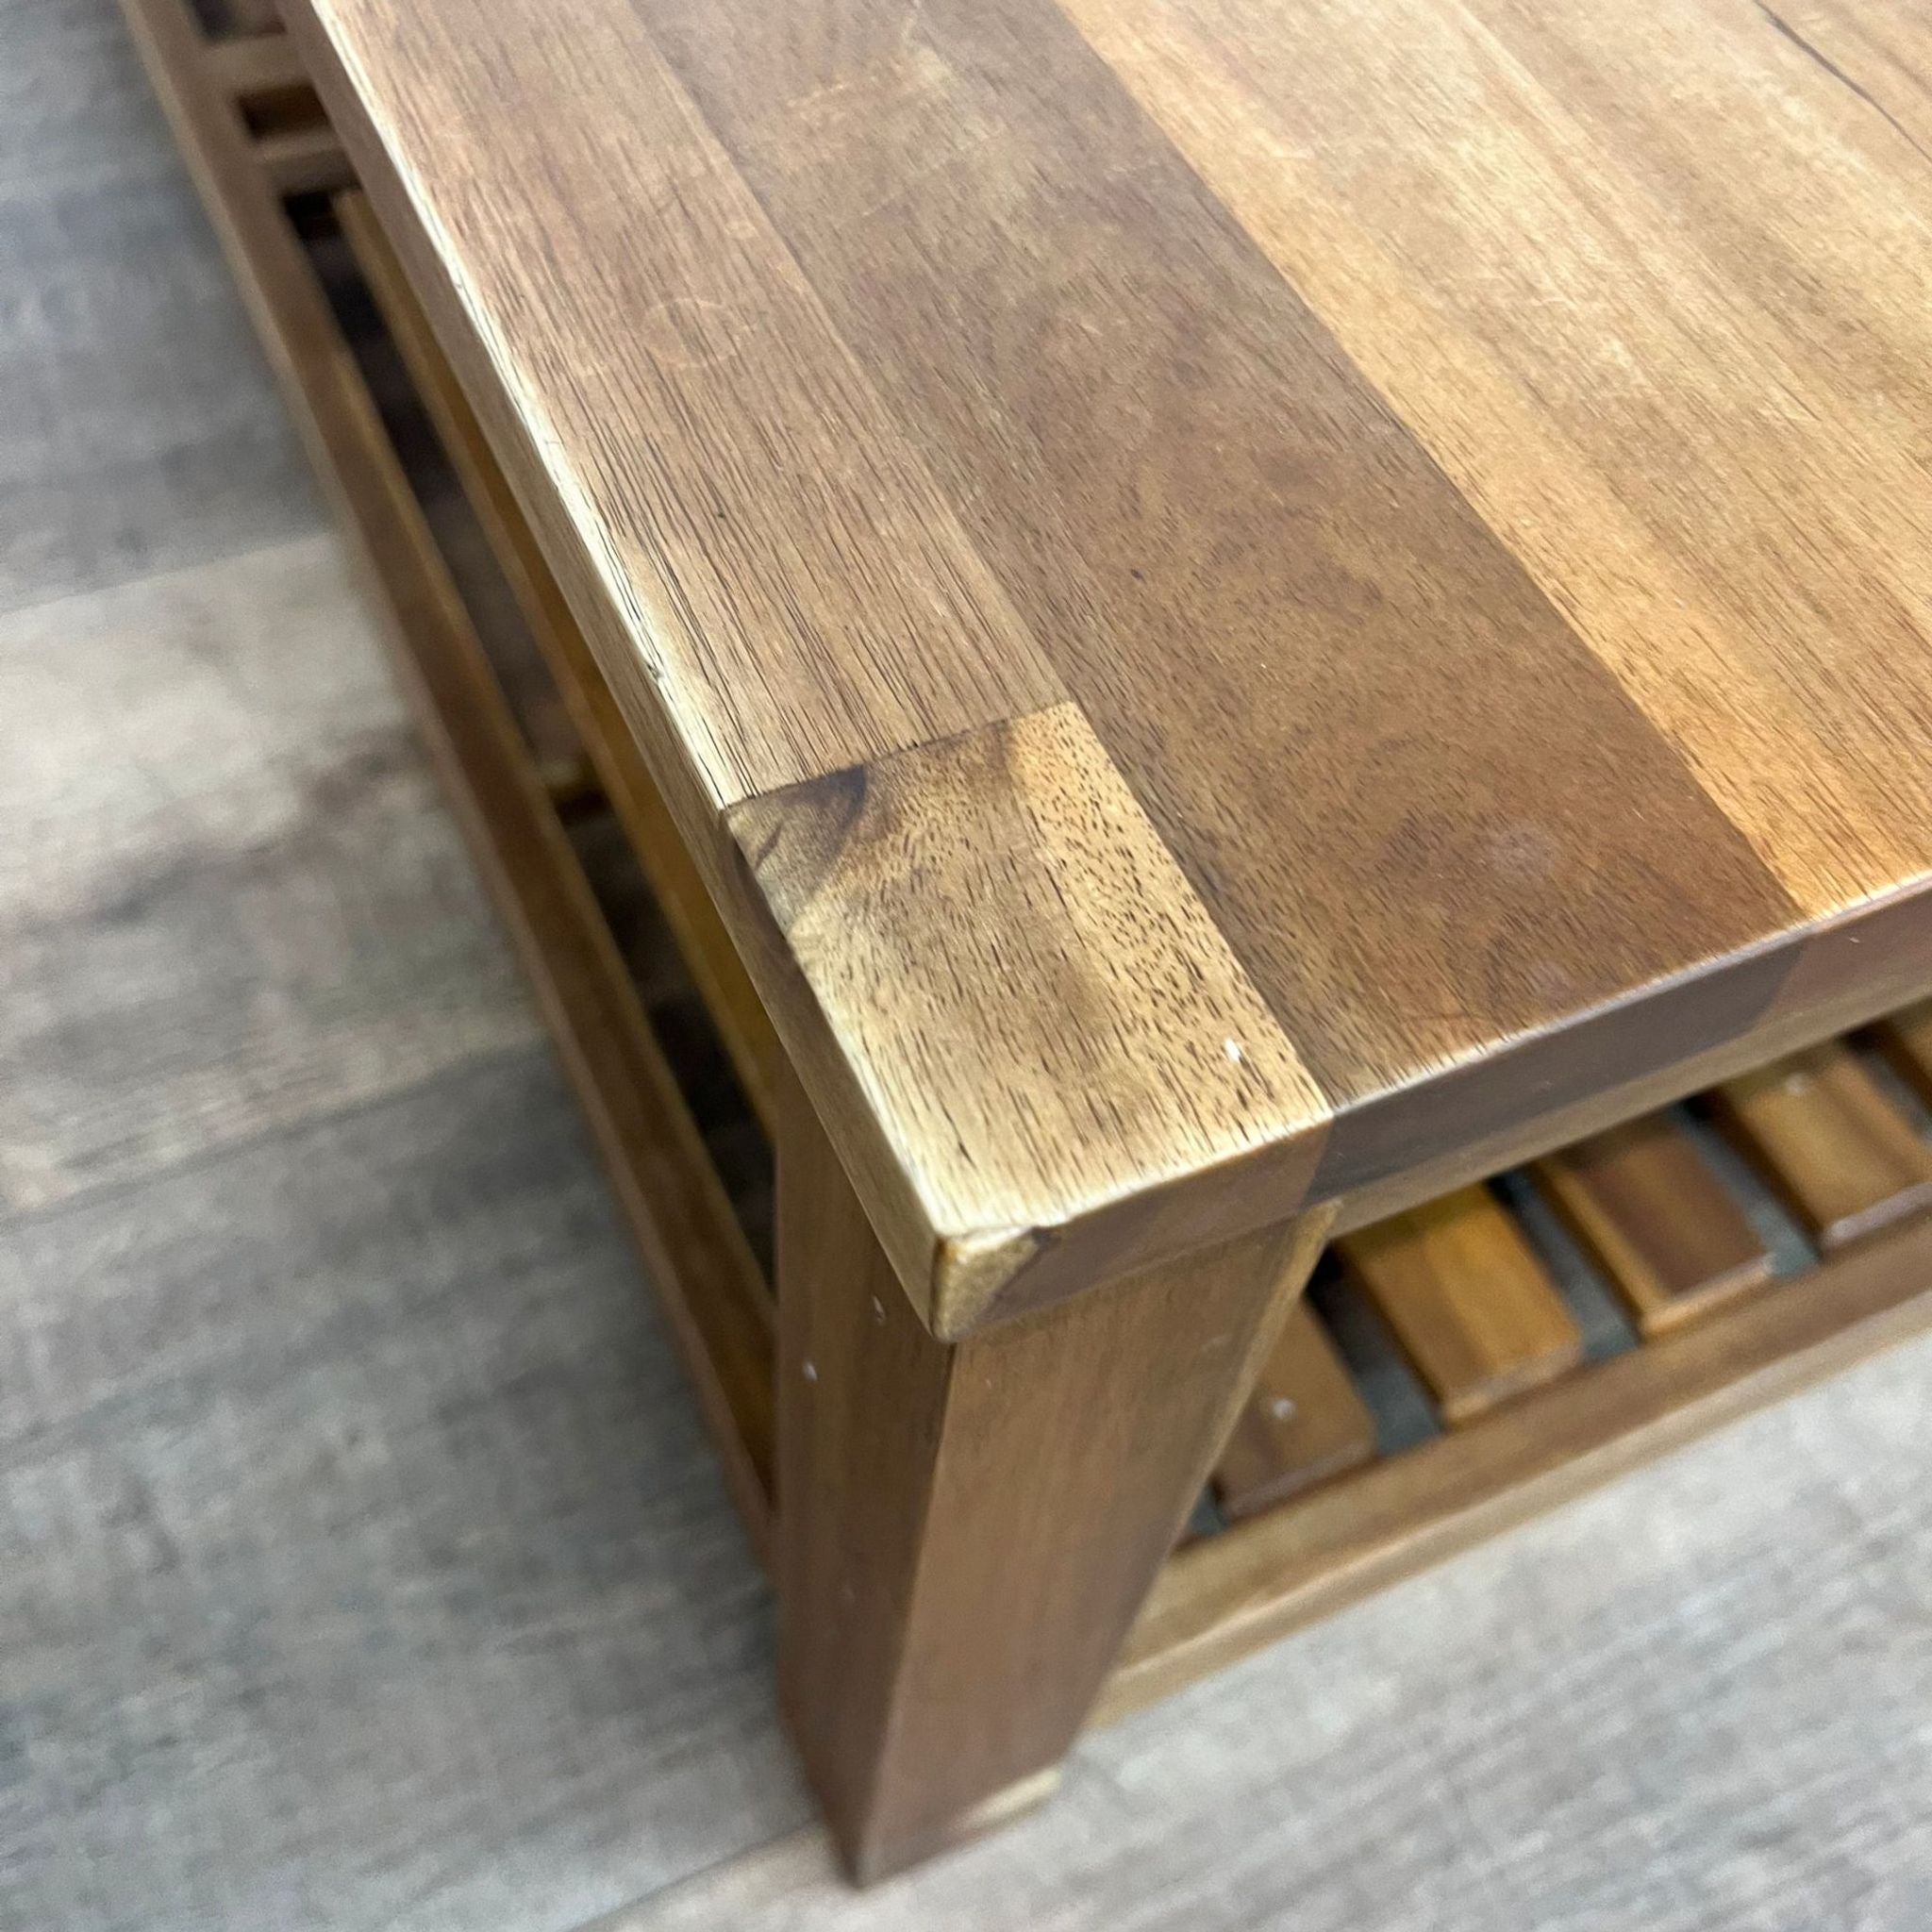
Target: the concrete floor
(361, 1562)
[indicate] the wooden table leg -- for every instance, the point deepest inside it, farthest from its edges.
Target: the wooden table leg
(966, 1530)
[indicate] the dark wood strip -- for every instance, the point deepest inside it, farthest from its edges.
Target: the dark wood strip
(1303, 1424)
(303, 160)
(968, 1530)
(1844, 1158)
(1468, 1299)
(1664, 1229)
(1248, 573)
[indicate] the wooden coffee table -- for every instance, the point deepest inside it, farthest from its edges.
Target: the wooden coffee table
(1213, 622)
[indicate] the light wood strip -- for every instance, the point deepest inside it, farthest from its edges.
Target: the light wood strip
(1303, 1424)
(1470, 1302)
(709, 952)
(1882, 49)
(1842, 1158)
(1225, 1596)
(696, 1254)
(1668, 1234)
(771, 580)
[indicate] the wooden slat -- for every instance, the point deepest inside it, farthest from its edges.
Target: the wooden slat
(708, 952)
(1467, 1300)
(1303, 1424)
(1842, 1156)
(303, 160)
(698, 1255)
(1664, 1229)
(256, 64)
(572, 785)
(1905, 1040)
(1225, 1595)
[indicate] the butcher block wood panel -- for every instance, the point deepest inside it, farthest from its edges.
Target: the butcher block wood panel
(1303, 1424)
(1843, 1156)
(1648, 282)
(878, 380)
(1169, 407)
(794, 589)
(626, 780)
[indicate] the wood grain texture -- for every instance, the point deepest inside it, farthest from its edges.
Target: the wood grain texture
(226, 896)
(1672, 357)
(1226, 1595)
(1827, 1140)
(811, 602)
(1063, 1049)
(967, 1530)
(1488, 600)
(1472, 1306)
(1880, 49)
(1671, 1239)
(1302, 1423)
(482, 1685)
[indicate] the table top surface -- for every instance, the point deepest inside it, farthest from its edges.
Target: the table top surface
(1260, 591)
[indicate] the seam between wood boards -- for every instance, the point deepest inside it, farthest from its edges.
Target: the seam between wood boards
(1606, 158)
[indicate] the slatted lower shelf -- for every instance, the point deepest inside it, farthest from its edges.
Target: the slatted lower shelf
(1455, 1368)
